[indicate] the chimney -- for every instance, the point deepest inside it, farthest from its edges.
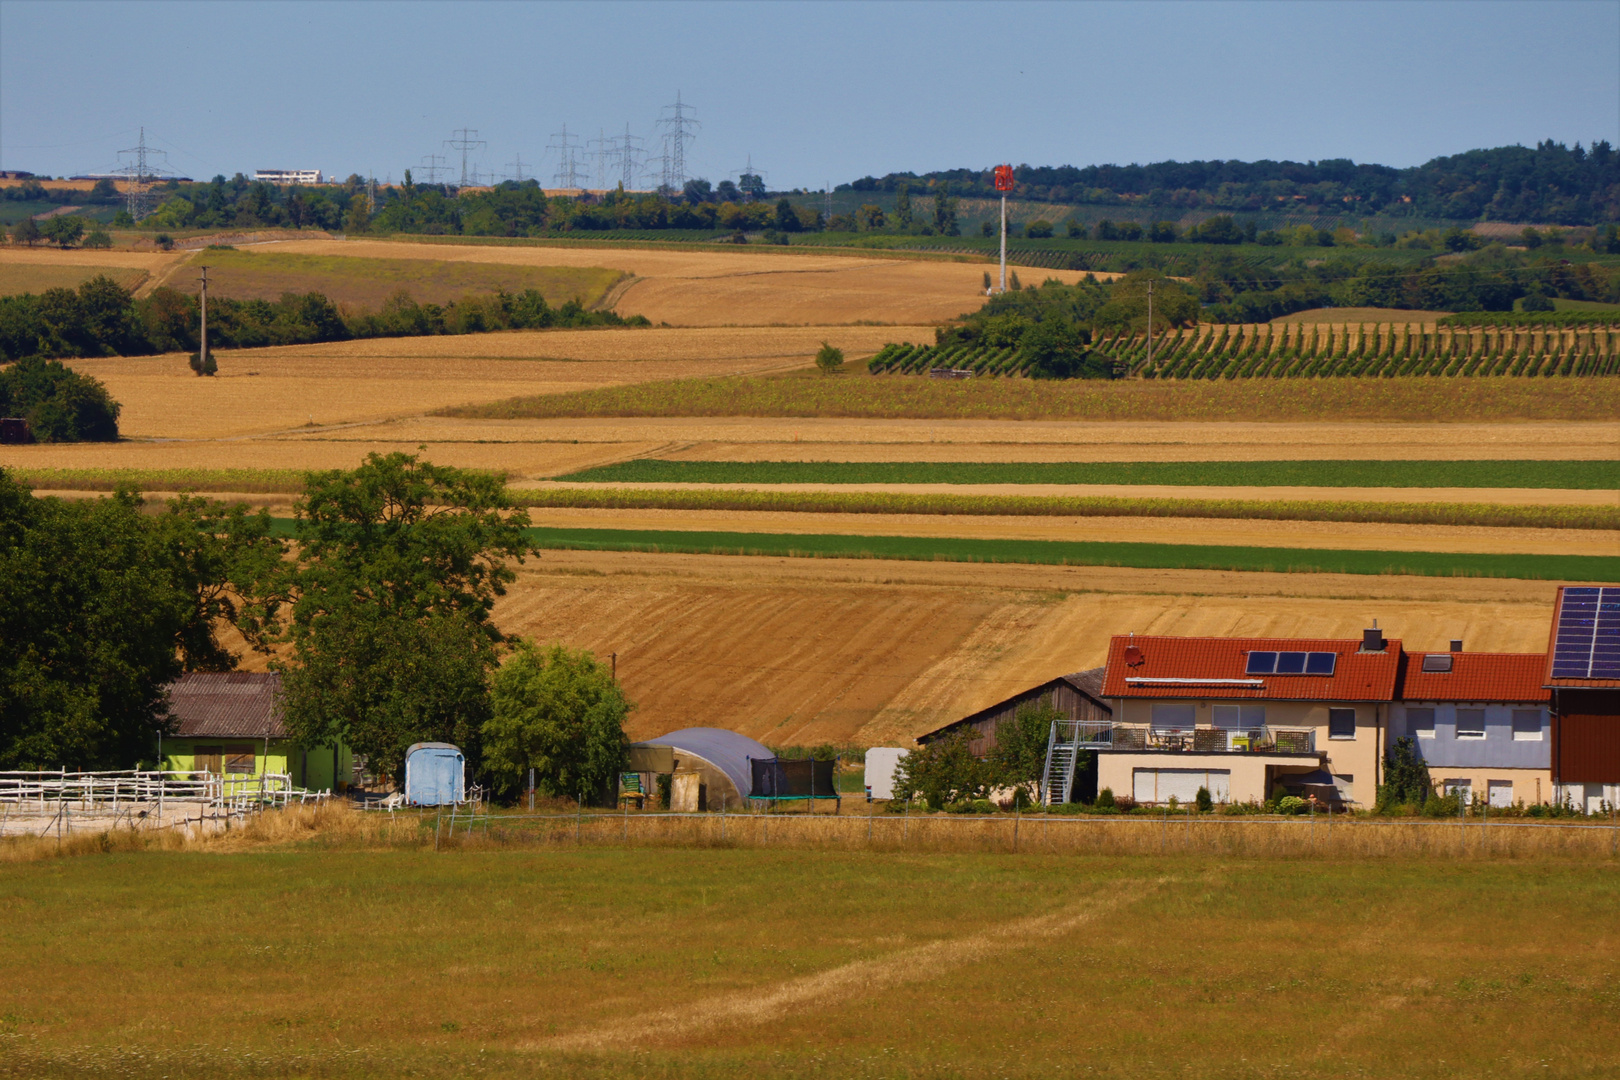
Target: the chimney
(1456, 644)
(1372, 640)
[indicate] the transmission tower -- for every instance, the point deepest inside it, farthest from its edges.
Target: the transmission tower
(517, 169)
(465, 139)
(627, 158)
(568, 170)
(432, 166)
(606, 150)
(679, 127)
(141, 171)
(751, 181)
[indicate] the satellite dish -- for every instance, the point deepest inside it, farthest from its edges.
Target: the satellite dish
(1133, 656)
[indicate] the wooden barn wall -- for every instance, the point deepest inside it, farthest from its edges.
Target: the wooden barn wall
(1588, 737)
(1065, 698)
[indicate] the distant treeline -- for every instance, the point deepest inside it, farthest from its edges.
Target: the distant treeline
(102, 318)
(60, 405)
(1551, 183)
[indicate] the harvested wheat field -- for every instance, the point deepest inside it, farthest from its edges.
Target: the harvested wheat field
(274, 389)
(748, 288)
(26, 269)
(798, 651)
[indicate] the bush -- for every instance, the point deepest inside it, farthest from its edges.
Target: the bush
(1204, 802)
(829, 359)
(98, 238)
(1105, 798)
(1039, 230)
(59, 404)
(1124, 803)
(1291, 804)
(943, 771)
(164, 241)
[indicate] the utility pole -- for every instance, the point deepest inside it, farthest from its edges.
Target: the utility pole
(1004, 184)
(202, 354)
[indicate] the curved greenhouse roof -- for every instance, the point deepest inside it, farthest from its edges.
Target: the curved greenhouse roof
(725, 750)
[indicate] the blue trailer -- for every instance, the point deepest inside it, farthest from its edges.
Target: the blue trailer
(435, 774)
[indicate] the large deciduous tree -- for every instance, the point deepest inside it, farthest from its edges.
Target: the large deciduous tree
(388, 604)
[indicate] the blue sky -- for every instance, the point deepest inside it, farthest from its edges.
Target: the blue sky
(813, 92)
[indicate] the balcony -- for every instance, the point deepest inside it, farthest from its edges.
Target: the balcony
(1197, 740)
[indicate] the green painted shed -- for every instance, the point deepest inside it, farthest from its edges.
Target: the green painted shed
(229, 723)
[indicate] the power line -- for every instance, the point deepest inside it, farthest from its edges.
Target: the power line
(517, 169)
(465, 139)
(433, 165)
(141, 173)
(628, 158)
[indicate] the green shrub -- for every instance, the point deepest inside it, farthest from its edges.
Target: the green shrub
(1291, 804)
(1205, 803)
(1105, 799)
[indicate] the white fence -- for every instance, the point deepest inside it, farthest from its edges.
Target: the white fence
(41, 802)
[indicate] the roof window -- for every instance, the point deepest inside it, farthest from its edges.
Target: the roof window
(1291, 663)
(1437, 662)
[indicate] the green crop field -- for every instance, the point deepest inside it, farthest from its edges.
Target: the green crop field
(1087, 553)
(337, 960)
(1246, 400)
(1311, 350)
(1368, 474)
(369, 282)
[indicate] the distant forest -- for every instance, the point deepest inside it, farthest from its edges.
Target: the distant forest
(1551, 183)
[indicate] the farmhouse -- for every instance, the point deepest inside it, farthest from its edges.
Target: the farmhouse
(1240, 716)
(1480, 721)
(230, 724)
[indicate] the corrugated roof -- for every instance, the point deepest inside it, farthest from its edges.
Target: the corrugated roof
(1475, 677)
(1590, 633)
(227, 705)
(1207, 667)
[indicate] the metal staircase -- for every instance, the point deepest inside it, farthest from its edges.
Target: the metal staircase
(1064, 745)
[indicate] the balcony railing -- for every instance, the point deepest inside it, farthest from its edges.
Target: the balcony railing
(1195, 740)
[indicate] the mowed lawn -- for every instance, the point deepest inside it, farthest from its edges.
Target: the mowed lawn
(1370, 474)
(721, 962)
(261, 275)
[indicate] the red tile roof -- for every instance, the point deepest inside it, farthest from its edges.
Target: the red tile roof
(1475, 677)
(1210, 667)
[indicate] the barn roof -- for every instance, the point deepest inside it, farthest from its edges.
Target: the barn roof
(725, 750)
(1088, 682)
(227, 704)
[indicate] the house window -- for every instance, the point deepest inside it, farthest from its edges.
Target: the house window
(208, 759)
(1341, 723)
(1173, 715)
(1420, 722)
(239, 761)
(1499, 793)
(1526, 725)
(1463, 789)
(1240, 717)
(1437, 662)
(1470, 723)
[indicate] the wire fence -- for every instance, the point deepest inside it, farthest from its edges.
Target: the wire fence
(44, 801)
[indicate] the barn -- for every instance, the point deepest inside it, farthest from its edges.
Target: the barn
(1078, 697)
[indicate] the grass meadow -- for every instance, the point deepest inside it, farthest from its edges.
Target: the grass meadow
(20, 277)
(808, 393)
(368, 282)
(1087, 553)
(1353, 473)
(339, 952)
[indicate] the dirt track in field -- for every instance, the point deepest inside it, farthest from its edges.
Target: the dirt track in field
(748, 288)
(806, 650)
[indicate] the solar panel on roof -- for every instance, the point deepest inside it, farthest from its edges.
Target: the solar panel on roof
(1587, 642)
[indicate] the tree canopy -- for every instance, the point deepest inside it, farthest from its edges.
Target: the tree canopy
(560, 713)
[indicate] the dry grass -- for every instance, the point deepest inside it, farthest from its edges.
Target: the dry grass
(250, 273)
(325, 952)
(1252, 401)
(686, 287)
(37, 277)
(277, 389)
(1373, 315)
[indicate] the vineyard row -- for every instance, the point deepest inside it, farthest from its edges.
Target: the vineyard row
(1302, 351)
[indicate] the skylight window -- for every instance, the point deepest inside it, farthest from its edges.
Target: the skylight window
(1438, 662)
(1291, 663)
